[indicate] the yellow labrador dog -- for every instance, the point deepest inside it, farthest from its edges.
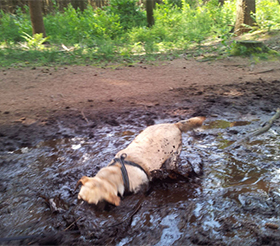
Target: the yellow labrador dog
(130, 169)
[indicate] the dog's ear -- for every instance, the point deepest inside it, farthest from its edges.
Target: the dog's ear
(82, 181)
(114, 199)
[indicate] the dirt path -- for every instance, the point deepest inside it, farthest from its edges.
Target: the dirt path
(37, 93)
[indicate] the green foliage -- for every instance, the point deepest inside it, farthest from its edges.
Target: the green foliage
(177, 28)
(268, 14)
(12, 26)
(119, 31)
(8, 28)
(35, 42)
(72, 26)
(251, 49)
(130, 14)
(19, 57)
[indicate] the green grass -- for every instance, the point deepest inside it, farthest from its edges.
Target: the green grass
(118, 33)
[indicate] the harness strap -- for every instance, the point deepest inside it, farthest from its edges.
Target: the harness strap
(124, 172)
(123, 162)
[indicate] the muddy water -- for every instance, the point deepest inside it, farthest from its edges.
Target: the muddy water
(229, 198)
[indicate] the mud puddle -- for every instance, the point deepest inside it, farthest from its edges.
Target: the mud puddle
(231, 197)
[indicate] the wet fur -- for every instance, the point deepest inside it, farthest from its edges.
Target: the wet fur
(156, 145)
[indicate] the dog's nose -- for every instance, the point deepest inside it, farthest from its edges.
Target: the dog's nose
(80, 200)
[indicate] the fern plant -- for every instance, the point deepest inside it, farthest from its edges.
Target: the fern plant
(35, 42)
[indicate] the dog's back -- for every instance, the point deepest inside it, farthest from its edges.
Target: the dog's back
(159, 143)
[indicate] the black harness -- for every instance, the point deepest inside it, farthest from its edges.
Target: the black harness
(123, 162)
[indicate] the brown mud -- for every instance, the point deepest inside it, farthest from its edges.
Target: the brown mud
(60, 124)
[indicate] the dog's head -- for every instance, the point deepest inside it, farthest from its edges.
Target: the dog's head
(95, 189)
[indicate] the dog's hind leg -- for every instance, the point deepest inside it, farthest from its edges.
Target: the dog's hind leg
(171, 162)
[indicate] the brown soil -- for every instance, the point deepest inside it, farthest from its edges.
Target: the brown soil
(41, 96)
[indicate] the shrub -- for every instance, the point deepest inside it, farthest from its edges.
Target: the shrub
(73, 26)
(267, 14)
(130, 13)
(12, 26)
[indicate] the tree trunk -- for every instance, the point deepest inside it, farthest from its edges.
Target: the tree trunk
(78, 4)
(150, 12)
(35, 8)
(222, 2)
(244, 9)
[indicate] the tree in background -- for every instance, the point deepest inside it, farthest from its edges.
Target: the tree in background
(150, 12)
(244, 19)
(81, 4)
(35, 8)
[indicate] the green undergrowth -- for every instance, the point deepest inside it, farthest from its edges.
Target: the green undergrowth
(251, 49)
(118, 33)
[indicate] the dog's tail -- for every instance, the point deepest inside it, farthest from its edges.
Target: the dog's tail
(190, 124)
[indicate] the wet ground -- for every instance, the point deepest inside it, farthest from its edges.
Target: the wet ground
(219, 196)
